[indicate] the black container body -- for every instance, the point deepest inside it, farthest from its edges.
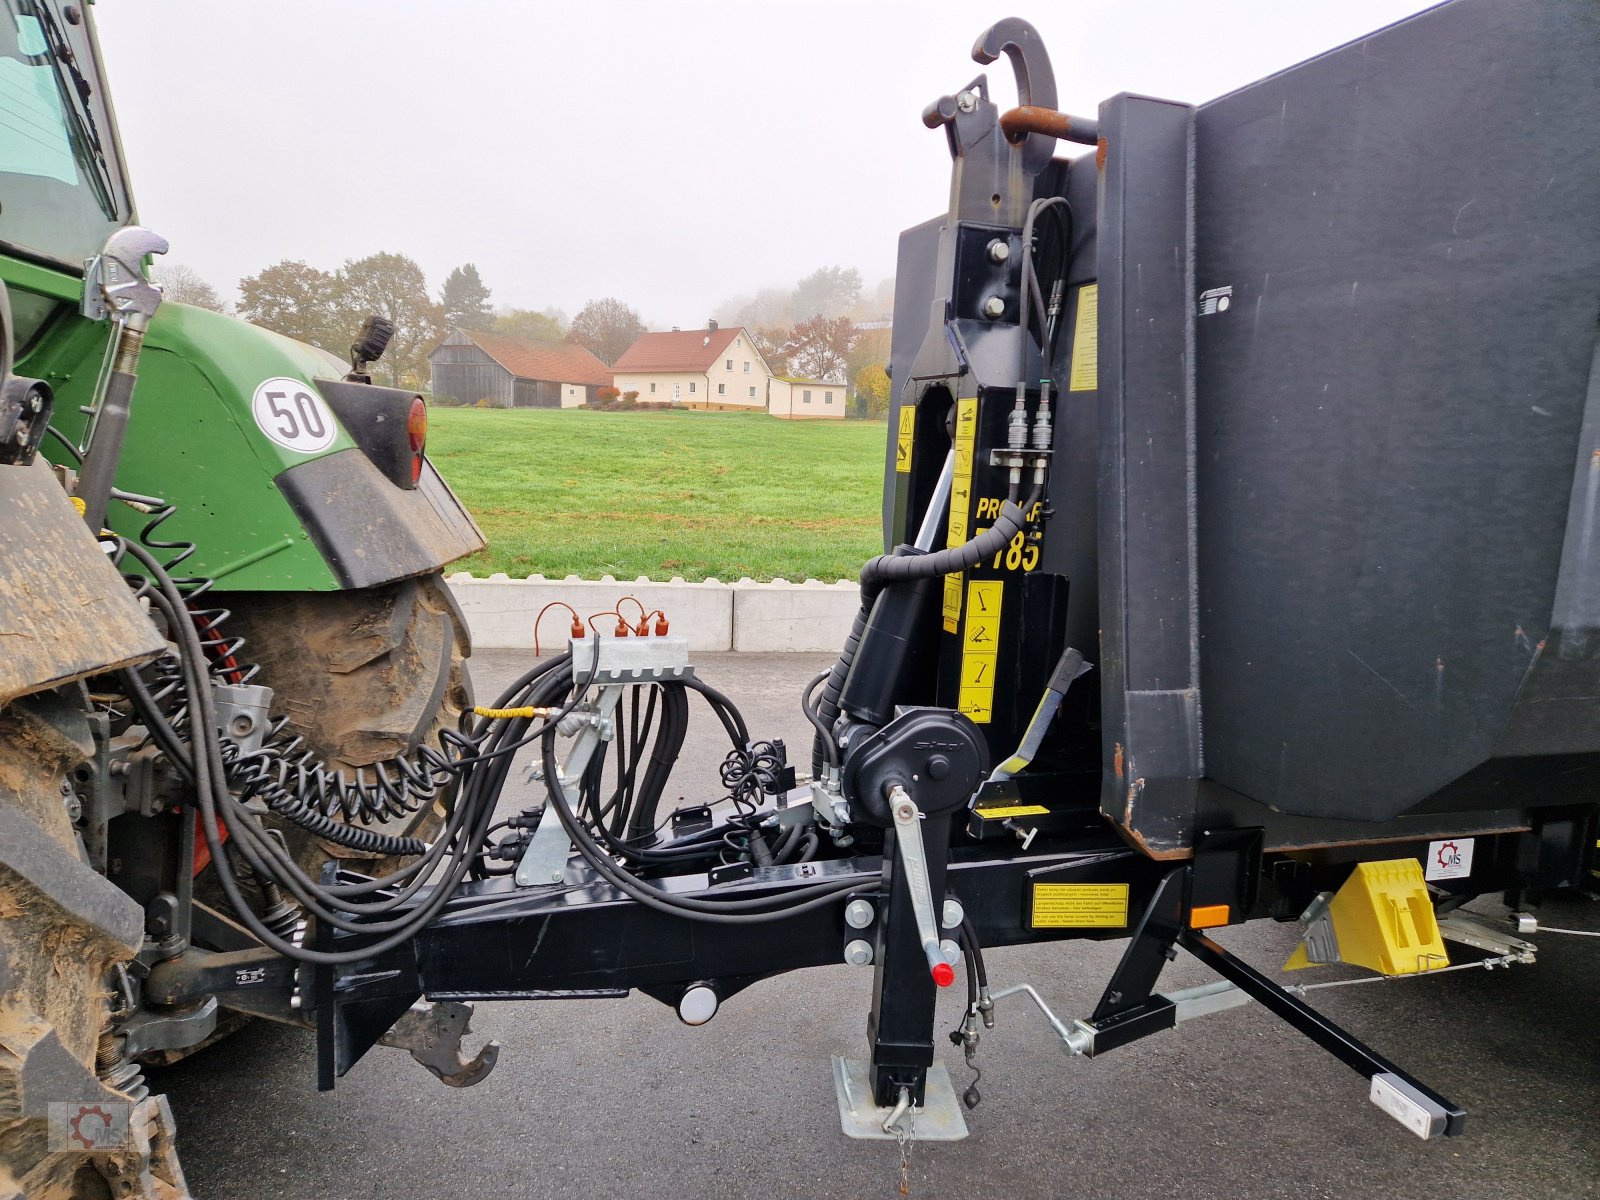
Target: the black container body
(1326, 458)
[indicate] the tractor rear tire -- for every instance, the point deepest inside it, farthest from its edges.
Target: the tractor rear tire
(364, 677)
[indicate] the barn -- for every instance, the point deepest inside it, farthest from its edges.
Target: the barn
(511, 372)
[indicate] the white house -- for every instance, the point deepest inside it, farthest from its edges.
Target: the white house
(697, 368)
(805, 399)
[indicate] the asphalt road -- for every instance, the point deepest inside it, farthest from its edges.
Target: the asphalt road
(617, 1098)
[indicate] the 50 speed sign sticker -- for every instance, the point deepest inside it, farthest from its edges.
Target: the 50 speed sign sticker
(290, 412)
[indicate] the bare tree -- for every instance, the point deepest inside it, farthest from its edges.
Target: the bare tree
(606, 328)
(184, 285)
(392, 286)
(819, 348)
(770, 308)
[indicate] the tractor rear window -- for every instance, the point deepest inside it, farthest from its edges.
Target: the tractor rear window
(61, 192)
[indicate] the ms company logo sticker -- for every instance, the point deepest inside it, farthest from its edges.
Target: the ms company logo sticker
(290, 412)
(86, 1128)
(1449, 859)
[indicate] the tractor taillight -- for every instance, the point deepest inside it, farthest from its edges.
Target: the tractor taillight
(417, 435)
(417, 425)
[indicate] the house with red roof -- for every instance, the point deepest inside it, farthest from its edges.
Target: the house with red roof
(697, 368)
(513, 372)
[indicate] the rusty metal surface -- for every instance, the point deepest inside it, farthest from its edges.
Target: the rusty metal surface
(64, 609)
(432, 1033)
(1017, 123)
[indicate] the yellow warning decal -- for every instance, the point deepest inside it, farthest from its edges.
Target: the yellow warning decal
(952, 603)
(1085, 375)
(960, 502)
(980, 648)
(1079, 906)
(902, 440)
(1014, 810)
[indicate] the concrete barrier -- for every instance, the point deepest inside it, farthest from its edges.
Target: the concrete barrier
(744, 615)
(793, 616)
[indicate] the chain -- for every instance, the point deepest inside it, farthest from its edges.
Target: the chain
(906, 1133)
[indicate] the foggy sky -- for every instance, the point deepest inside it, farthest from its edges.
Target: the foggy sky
(671, 155)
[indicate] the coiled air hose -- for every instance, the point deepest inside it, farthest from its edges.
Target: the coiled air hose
(341, 905)
(284, 773)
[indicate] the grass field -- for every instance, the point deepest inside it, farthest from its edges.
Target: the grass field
(701, 495)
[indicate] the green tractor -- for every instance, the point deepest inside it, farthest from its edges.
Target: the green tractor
(303, 489)
(295, 503)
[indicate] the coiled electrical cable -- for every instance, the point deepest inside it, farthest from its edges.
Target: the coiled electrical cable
(285, 772)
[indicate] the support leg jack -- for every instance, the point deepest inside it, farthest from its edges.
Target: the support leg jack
(1131, 1009)
(1415, 1105)
(938, 1120)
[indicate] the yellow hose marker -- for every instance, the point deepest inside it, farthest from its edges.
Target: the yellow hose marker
(509, 714)
(960, 502)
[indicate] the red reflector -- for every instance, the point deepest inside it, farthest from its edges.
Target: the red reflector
(944, 974)
(417, 425)
(416, 468)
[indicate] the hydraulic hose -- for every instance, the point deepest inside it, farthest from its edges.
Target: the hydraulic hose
(894, 568)
(466, 827)
(738, 912)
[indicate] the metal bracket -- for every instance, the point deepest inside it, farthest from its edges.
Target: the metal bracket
(1321, 939)
(938, 1120)
(631, 659)
(149, 1030)
(1036, 81)
(114, 282)
(1458, 928)
(243, 713)
(545, 860)
(432, 1033)
(614, 663)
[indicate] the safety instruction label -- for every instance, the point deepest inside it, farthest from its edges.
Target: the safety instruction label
(1012, 810)
(902, 439)
(980, 649)
(960, 502)
(1085, 374)
(1079, 906)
